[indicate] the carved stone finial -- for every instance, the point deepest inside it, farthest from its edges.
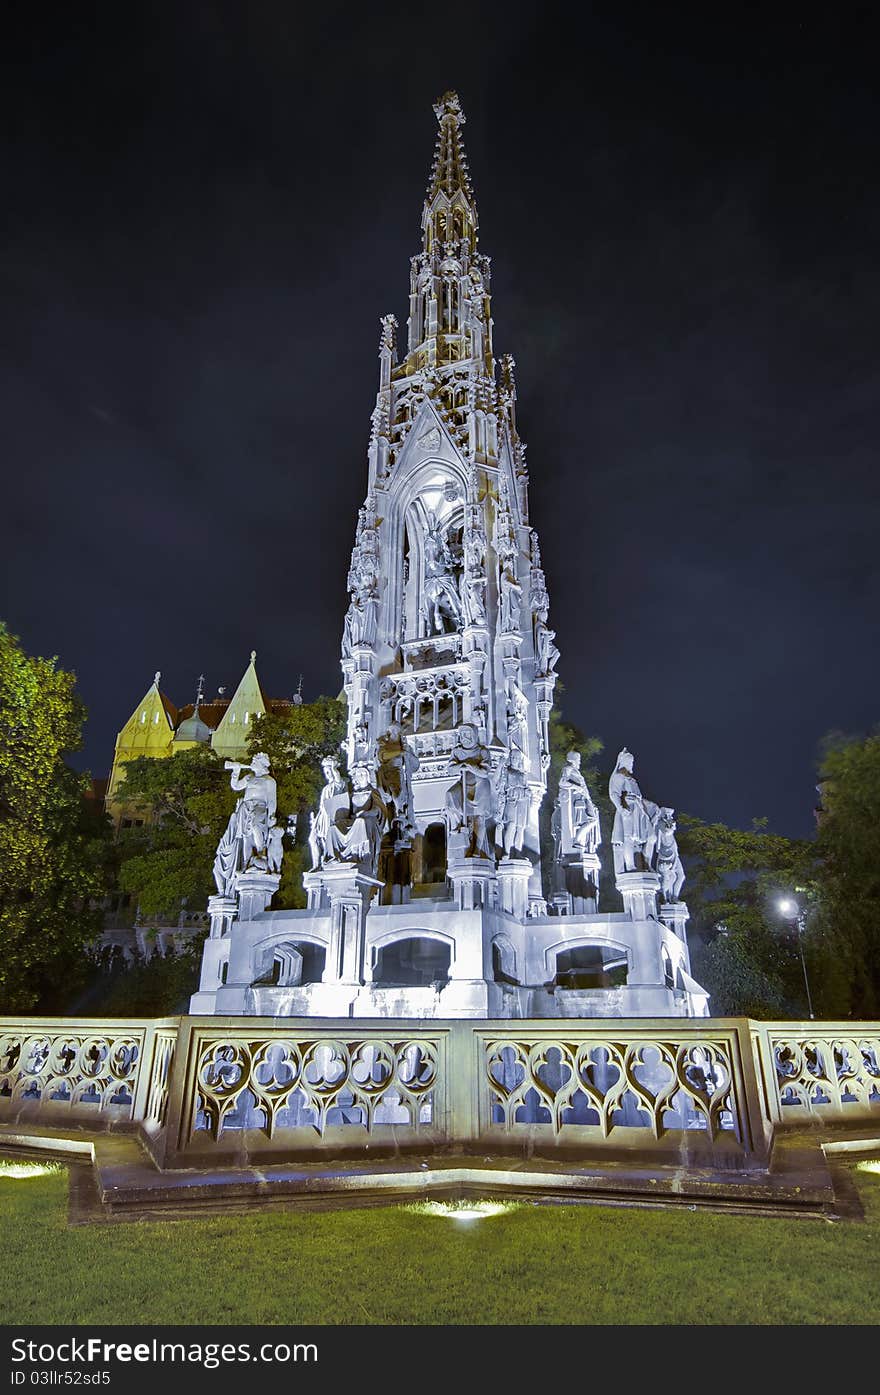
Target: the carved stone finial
(157, 675)
(449, 105)
(388, 336)
(253, 656)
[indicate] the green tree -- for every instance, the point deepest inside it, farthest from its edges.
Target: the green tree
(186, 800)
(155, 987)
(51, 844)
(743, 951)
(848, 915)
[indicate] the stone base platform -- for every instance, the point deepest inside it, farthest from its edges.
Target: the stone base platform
(113, 1178)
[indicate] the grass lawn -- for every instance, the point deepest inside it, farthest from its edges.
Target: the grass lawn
(528, 1264)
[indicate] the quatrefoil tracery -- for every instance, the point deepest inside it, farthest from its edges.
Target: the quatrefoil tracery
(653, 1073)
(327, 1073)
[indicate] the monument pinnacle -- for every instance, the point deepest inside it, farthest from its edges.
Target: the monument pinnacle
(449, 171)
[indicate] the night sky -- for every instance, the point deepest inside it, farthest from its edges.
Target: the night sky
(207, 207)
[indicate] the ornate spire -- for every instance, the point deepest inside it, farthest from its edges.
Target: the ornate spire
(449, 171)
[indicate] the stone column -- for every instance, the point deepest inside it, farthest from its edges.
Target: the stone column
(639, 891)
(222, 911)
(675, 915)
(254, 891)
(316, 899)
(589, 868)
(349, 893)
(514, 874)
(473, 881)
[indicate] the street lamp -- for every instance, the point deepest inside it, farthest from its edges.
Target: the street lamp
(792, 911)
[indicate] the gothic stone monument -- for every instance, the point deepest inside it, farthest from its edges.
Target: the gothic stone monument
(425, 897)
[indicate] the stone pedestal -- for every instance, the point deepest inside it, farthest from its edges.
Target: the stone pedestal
(222, 911)
(313, 883)
(581, 875)
(675, 915)
(639, 891)
(349, 893)
(473, 882)
(254, 891)
(514, 874)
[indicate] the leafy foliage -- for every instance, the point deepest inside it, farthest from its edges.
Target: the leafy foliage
(186, 800)
(849, 847)
(158, 986)
(295, 741)
(51, 843)
(744, 951)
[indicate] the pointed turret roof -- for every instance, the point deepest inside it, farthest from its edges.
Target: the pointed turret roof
(247, 701)
(450, 170)
(153, 698)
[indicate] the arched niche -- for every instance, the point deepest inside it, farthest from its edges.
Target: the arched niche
(504, 960)
(587, 963)
(412, 493)
(291, 961)
(434, 854)
(413, 959)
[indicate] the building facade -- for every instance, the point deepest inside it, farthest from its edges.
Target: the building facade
(157, 728)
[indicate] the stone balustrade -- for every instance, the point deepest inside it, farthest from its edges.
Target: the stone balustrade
(201, 1088)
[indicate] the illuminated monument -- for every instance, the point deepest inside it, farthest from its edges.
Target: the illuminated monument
(426, 897)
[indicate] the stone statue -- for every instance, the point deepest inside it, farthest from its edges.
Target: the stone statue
(243, 846)
(475, 543)
(669, 866)
(360, 738)
(440, 595)
(472, 589)
(511, 600)
(332, 798)
(514, 801)
(546, 653)
(356, 833)
(635, 819)
(579, 817)
(469, 801)
(362, 615)
(397, 764)
(275, 847)
(517, 717)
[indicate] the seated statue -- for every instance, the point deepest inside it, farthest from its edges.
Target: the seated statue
(333, 797)
(356, 832)
(578, 815)
(546, 653)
